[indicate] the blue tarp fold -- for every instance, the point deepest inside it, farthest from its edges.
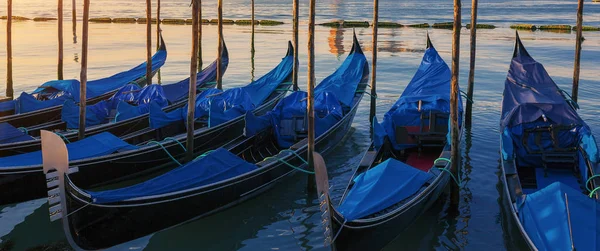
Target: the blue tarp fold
(93, 146)
(10, 134)
(381, 187)
(212, 168)
(545, 219)
(431, 86)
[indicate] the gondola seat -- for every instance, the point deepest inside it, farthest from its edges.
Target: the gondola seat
(434, 133)
(554, 154)
(295, 127)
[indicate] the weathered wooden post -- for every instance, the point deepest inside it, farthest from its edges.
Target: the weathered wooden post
(295, 10)
(74, 17)
(578, 41)
(199, 35)
(60, 39)
(83, 74)
(192, 87)
(220, 45)
(9, 77)
(157, 24)
(252, 51)
(374, 66)
(310, 90)
(469, 111)
(149, 42)
(455, 159)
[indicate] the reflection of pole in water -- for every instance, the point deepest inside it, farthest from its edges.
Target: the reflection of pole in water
(336, 41)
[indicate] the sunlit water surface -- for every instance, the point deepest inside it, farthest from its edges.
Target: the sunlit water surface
(286, 217)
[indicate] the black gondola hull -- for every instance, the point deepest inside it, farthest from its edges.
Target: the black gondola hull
(128, 222)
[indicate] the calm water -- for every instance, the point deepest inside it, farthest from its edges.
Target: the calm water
(286, 217)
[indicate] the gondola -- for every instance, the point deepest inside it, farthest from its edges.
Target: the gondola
(44, 103)
(405, 169)
(549, 162)
(216, 180)
(103, 157)
(126, 119)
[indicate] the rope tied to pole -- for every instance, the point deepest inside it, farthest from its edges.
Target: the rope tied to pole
(204, 154)
(24, 130)
(164, 149)
(63, 137)
(465, 95)
(457, 180)
(289, 164)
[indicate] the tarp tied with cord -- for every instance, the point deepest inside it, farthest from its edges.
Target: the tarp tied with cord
(212, 168)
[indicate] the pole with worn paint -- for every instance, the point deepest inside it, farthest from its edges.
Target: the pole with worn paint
(454, 133)
(9, 77)
(220, 44)
(60, 39)
(310, 90)
(374, 66)
(295, 11)
(192, 87)
(578, 41)
(469, 111)
(148, 42)
(83, 74)
(74, 20)
(252, 51)
(199, 35)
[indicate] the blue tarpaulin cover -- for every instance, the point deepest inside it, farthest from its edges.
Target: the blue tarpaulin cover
(231, 103)
(331, 94)
(57, 91)
(431, 86)
(7, 106)
(10, 134)
(545, 219)
(381, 187)
(217, 166)
(532, 99)
(93, 146)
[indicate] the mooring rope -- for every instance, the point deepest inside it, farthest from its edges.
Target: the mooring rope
(290, 165)
(164, 149)
(458, 181)
(24, 130)
(63, 137)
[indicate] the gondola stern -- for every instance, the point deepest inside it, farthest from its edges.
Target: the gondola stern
(322, 180)
(163, 46)
(55, 159)
(290, 49)
(429, 44)
(355, 44)
(225, 51)
(519, 47)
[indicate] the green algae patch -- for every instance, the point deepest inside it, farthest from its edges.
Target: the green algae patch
(333, 23)
(444, 25)
(423, 25)
(100, 20)
(588, 28)
(355, 24)
(225, 21)
(173, 21)
(270, 22)
(16, 18)
(482, 26)
(124, 20)
(555, 27)
(523, 27)
(142, 20)
(44, 19)
(388, 25)
(246, 22)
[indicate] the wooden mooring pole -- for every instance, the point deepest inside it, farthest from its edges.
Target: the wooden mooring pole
(83, 74)
(60, 39)
(192, 86)
(157, 24)
(469, 111)
(374, 65)
(74, 21)
(252, 51)
(578, 41)
(310, 99)
(295, 14)
(9, 75)
(149, 42)
(455, 159)
(199, 35)
(220, 44)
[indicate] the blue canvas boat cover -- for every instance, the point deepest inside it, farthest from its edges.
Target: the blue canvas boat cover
(130, 101)
(93, 146)
(381, 187)
(55, 92)
(7, 106)
(10, 134)
(231, 103)
(532, 99)
(217, 166)
(431, 86)
(545, 219)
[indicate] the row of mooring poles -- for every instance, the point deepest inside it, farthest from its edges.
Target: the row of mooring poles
(578, 40)
(192, 86)
(83, 73)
